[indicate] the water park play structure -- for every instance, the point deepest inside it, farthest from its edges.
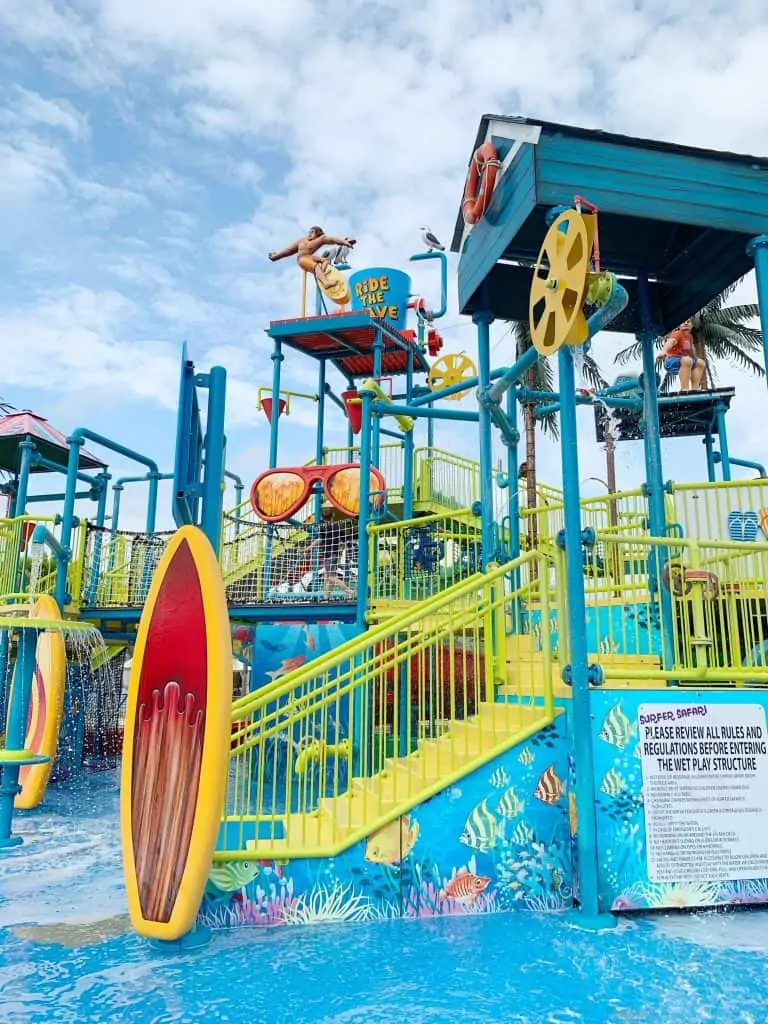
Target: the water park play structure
(438, 717)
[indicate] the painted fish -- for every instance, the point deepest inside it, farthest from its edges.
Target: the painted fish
(453, 793)
(499, 778)
(608, 646)
(613, 783)
(525, 757)
(481, 829)
(522, 834)
(309, 639)
(465, 887)
(549, 788)
(286, 665)
(233, 875)
(617, 728)
(392, 843)
(510, 805)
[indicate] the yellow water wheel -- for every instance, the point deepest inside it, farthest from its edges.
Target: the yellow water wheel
(449, 370)
(560, 282)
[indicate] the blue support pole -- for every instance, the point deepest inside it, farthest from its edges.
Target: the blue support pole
(319, 452)
(722, 434)
(18, 711)
(408, 445)
(277, 358)
(101, 513)
(68, 517)
(579, 667)
(378, 352)
(758, 250)
(513, 501)
(319, 435)
(154, 481)
(27, 449)
(711, 476)
(365, 501)
(213, 470)
(657, 513)
(482, 321)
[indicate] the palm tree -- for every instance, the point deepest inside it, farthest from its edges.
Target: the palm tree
(720, 334)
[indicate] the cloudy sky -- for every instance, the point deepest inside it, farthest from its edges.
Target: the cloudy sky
(153, 151)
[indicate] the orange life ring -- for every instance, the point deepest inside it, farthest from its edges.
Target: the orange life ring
(481, 181)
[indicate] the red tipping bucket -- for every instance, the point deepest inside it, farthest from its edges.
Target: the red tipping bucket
(27, 529)
(266, 405)
(354, 407)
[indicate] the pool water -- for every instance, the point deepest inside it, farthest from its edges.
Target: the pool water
(67, 954)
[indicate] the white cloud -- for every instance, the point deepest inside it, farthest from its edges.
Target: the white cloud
(221, 129)
(30, 108)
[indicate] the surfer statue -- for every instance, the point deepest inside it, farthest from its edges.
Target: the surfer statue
(308, 258)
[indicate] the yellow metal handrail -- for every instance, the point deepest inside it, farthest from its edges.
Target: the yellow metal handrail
(335, 750)
(709, 612)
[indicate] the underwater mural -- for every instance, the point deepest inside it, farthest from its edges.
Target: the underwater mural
(620, 810)
(497, 840)
(280, 647)
(632, 628)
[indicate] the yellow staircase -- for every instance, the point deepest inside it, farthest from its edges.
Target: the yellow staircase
(432, 682)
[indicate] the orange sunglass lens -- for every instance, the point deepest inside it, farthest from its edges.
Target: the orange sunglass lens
(279, 492)
(344, 488)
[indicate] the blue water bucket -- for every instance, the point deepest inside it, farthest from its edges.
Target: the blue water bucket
(384, 291)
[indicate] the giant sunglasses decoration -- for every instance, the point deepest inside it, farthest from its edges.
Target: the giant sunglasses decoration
(278, 494)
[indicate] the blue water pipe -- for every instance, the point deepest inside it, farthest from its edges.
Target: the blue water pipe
(27, 449)
(578, 671)
(15, 734)
(215, 446)
(722, 434)
(513, 503)
(408, 444)
(758, 467)
(365, 500)
(378, 353)
(277, 359)
(710, 452)
(119, 486)
(76, 440)
(459, 415)
(758, 250)
(434, 255)
(657, 512)
(60, 496)
(482, 321)
(319, 455)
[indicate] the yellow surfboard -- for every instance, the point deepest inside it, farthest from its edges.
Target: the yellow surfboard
(177, 738)
(338, 287)
(46, 707)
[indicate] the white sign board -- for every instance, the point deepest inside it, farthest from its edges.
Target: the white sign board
(705, 788)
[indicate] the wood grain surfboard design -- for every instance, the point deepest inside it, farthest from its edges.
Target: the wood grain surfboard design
(177, 738)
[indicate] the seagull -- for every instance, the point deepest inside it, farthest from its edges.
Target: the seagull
(337, 255)
(431, 241)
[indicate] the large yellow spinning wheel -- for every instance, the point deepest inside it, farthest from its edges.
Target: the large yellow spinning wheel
(449, 370)
(559, 283)
(338, 288)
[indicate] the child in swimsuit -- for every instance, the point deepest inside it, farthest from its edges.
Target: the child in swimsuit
(678, 356)
(305, 251)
